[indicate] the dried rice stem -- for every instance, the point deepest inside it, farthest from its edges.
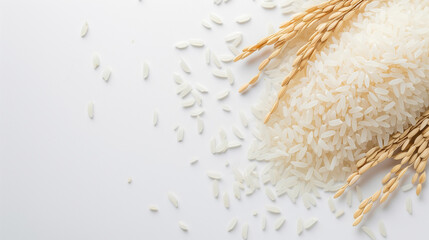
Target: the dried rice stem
(323, 32)
(413, 151)
(336, 11)
(289, 31)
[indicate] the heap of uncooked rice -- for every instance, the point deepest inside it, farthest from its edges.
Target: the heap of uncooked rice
(369, 81)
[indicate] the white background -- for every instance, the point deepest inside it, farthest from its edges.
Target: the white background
(64, 176)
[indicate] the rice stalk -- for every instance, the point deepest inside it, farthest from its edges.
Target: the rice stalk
(410, 148)
(330, 17)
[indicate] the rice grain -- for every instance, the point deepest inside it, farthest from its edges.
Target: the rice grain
(409, 205)
(226, 202)
(183, 226)
(200, 125)
(155, 118)
(84, 30)
(215, 189)
(299, 226)
(196, 42)
(245, 231)
(180, 134)
(223, 94)
(243, 19)
(91, 110)
(382, 229)
(95, 61)
(184, 66)
(216, 18)
(310, 222)
(182, 44)
(279, 223)
(369, 232)
(264, 223)
(273, 209)
(173, 199)
(215, 175)
(232, 223)
(206, 24)
(106, 74)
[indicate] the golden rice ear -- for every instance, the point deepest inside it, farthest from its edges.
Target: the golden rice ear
(292, 28)
(411, 155)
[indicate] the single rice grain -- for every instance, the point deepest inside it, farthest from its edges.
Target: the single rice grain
(310, 222)
(368, 232)
(245, 231)
(182, 44)
(84, 30)
(216, 18)
(183, 226)
(279, 223)
(173, 199)
(382, 229)
(232, 223)
(91, 110)
(243, 18)
(95, 61)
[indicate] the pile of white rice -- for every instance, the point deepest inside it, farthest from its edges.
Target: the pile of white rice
(369, 81)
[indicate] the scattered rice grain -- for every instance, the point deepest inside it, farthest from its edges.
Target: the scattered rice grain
(226, 203)
(273, 209)
(216, 18)
(226, 58)
(215, 175)
(279, 223)
(196, 42)
(310, 222)
(201, 88)
(226, 108)
(155, 118)
(359, 193)
(91, 110)
(182, 44)
(369, 232)
(243, 119)
(200, 125)
(188, 103)
(409, 205)
(299, 226)
(106, 74)
(215, 189)
(184, 66)
(145, 70)
(331, 205)
(232, 223)
(268, 5)
(382, 229)
(264, 223)
(95, 61)
(84, 30)
(183, 226)
(207, 56)
(153, 208)
(219, 73)
(242, 19)
(245, 231)
(206, 24)
(223, 94)
(180, 134)
(233, 36)
(339, 213)
(407, 187)
(173, 199)
(193, 160)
